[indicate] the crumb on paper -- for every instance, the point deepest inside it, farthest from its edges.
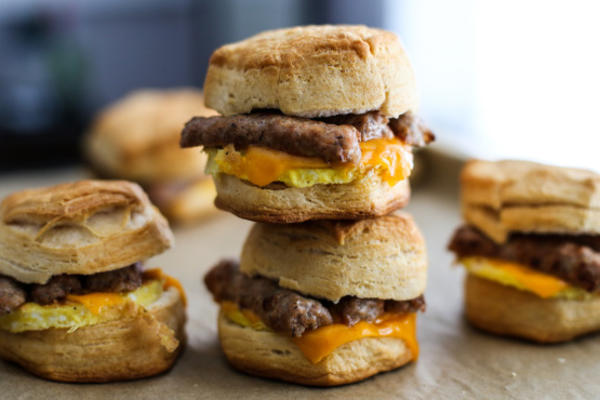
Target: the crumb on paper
(513, 374)
(561, 360)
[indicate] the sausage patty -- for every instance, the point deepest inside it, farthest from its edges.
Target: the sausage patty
(574, 259)
(286, 311)
(333, 139)
(14, 294)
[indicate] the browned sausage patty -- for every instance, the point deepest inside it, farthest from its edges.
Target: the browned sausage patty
(14, 294)
(334, 139)
(286, 311)
(575, 259)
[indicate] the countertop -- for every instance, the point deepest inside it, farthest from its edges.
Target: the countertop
(456, 361)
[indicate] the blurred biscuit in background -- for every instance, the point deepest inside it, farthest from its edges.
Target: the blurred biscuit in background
(137, 138)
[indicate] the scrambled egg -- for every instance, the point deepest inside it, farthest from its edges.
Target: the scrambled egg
(389, 158)
(73, 315)
(298, 177)
(523, 278)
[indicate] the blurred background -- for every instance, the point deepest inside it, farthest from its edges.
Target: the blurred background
(508, 79)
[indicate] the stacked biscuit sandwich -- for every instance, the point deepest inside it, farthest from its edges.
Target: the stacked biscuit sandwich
(531, 249)
(137, 138)
(75, 302)
(315, 144)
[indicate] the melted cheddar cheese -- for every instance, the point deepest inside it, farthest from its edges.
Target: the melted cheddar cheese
(521, 277)
(168, 282)
(318, 344)
(96, 302)
(390, 158)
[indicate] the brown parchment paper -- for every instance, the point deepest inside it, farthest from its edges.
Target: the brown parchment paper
(456, 361)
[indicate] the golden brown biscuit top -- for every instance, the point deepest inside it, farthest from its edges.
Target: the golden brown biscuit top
(82, 227)
(513, 182)
(287, 47)
(313, 71)
(147, 119)
(71, 201)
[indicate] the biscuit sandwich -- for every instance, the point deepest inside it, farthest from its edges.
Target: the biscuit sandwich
(75, 303)
(137, 139)
(531, 248)
(322, 303)
(317, 122)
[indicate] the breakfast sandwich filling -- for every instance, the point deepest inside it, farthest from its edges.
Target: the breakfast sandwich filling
(265, 148)
(75, 301)
(317, 326)
(547, 265)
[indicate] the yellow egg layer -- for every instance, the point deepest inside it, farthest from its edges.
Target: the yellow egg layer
(390, 158)
(522, 277)
(79, 311)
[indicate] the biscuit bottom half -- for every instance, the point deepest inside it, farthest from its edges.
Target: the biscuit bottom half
(141, 343)
(504, 310)
(272, 355)
(369, 196)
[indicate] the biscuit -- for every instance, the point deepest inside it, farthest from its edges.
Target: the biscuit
(369, 196)
(383, 258)
(313, 71)
(519, 196)
(507, 311)
(138, 345)
(83, 227)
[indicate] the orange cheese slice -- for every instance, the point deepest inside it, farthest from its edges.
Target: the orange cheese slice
(95, 302)
(392, 154)
(318, 344)
(262, 166)
(169, 281)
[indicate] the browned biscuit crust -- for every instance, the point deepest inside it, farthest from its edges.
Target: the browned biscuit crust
(302, 217)
(83, 227)
(377, 258)
(139, 345)
(506, 311)
(510, 196)
(271, 355)
(367, 197)
(312, 71)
